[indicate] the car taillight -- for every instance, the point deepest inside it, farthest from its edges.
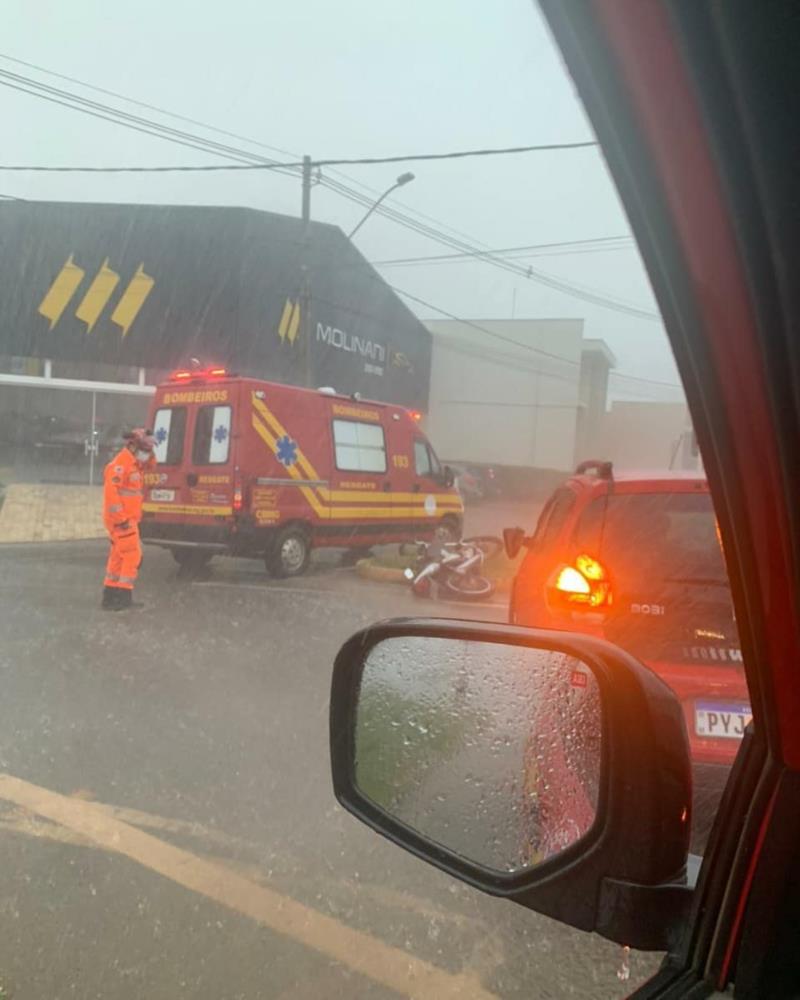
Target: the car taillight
(584, 584)
(238, 496)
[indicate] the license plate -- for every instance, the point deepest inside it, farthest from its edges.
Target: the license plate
(162, 495)
(722, 719)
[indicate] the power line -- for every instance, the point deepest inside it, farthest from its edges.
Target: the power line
(211, 128)
(353, 311)
(459, 154)
(518, 343)
(600, 241)
(209, 167)
(116, 116)
(98, 110)
(529, 273)
(140, 124)
(107, 118)
(143, 104)
(640, 378)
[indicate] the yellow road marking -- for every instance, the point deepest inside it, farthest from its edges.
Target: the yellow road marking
(18, 820)
(384, 964)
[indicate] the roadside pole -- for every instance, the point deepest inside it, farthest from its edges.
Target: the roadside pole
(305, 292)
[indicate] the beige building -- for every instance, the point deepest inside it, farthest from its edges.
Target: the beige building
(515, 392)
(647, 435)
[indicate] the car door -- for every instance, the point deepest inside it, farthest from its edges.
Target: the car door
(692, 105)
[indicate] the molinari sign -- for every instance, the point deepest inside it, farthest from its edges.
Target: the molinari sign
(374, 352)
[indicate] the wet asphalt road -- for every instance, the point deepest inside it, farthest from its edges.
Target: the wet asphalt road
(202, 721)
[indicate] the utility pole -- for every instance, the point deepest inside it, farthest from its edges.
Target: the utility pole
(306, 209)
(305, 290)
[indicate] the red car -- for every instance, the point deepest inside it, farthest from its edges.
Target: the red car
(637, 559)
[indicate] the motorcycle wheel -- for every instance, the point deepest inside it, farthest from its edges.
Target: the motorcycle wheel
(469, 588)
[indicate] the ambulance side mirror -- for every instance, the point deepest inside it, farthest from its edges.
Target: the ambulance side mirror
(448, 477)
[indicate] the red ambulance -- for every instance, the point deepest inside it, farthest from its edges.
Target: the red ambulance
(253, 468)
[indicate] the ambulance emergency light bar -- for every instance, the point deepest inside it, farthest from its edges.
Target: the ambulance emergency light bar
(187, 375)
(199, 374)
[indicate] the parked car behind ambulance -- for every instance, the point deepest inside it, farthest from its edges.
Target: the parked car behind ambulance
(254, 468)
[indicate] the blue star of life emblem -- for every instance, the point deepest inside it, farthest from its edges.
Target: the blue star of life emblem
(287, 451)
(220, 434)
(161, 435)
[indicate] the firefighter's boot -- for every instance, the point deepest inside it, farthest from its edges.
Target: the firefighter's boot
(111, 598)
(127, 603)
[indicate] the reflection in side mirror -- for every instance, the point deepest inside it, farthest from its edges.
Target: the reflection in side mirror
(549, 768)
(494, 752)
(513, 540)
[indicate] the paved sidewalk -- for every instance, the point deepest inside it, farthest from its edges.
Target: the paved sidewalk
(51, 513)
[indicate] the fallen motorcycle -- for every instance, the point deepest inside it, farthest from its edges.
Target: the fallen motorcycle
(452, 570)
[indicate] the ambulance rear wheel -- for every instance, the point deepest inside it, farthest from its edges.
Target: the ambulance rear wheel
(192, 559)
(290, 553)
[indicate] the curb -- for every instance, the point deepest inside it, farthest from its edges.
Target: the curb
(379, 574)
(369, 570)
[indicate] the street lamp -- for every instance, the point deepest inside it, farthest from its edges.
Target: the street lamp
(401, 180)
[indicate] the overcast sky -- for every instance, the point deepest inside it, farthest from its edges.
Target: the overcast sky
(357, 78)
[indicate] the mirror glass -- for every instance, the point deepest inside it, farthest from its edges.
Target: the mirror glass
(493, 751)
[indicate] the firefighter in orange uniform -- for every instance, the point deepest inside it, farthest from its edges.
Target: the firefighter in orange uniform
(122, 511)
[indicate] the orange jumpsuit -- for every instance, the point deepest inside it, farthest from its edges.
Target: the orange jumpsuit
(122, 512)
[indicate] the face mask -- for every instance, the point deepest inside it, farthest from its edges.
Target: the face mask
(142, 456)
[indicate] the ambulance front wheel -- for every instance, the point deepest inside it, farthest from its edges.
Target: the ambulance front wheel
(290, 553)
(448, 530)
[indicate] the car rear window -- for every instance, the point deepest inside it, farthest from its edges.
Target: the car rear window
(169, 429)
(670, 537)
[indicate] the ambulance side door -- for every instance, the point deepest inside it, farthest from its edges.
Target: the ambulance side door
(210, 457)
(407, 497)
(164, 487)
(429, 479)
(361, 481)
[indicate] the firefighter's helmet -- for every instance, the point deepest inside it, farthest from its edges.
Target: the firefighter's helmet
(141, 438)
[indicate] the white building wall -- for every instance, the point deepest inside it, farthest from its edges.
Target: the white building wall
(639, 435)
(504, 403)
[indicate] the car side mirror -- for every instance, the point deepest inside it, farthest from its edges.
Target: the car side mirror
(448, 477)
(513, 541)
(549, 768)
